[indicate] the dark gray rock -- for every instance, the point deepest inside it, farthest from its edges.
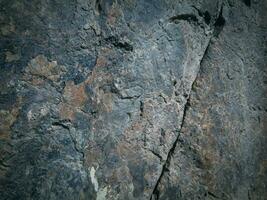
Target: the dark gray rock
(154, 99)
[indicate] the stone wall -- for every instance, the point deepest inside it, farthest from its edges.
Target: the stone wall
(133, 99)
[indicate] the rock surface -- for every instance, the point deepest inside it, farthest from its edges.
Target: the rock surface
(128, 99)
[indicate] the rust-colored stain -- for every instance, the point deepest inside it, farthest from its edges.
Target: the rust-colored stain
(37, 81)
(101, 61)
(74, 95)
(66, 111)
(74, 98)
(41, 67)
(111, 17)
(209, 158)
(113, 14)
(127, 151)
(7, 118)
(136, 128)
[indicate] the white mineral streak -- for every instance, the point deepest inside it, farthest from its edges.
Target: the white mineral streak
(94, 178)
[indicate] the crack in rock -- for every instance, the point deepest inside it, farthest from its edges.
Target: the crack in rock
(155, 193)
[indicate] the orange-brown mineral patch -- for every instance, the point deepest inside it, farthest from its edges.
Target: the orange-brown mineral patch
(98, 73)
(101, 61)
(103, 56)
(66, 111)
(7, 118)
(74, 95)
(74, 98)
(105, 100)
(41, 67)
(113, 14)
(127, 151)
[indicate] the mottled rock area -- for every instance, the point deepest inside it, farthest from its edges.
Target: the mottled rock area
(133, 99)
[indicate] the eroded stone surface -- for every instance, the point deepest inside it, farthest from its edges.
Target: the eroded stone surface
(221, 148)
(95, 99)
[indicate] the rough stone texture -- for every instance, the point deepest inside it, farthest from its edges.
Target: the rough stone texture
(133, 99)
(221, 150)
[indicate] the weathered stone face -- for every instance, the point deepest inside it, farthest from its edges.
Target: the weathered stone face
(154, 99)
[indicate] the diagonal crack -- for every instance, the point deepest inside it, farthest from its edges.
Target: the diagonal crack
(155, 193)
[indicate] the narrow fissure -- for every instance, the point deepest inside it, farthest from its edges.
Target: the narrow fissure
(219, 23)
(155, 193)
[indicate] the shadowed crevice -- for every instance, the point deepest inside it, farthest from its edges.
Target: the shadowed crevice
(247, 2)
(184, 17)
(219, 23)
